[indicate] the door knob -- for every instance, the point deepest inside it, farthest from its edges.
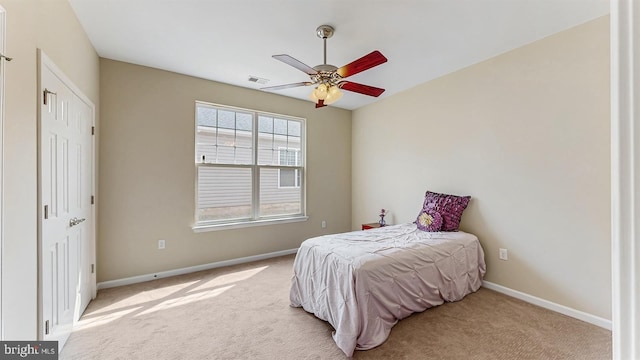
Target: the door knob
(75, 221)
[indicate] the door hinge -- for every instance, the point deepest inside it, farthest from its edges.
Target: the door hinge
(93, 199)
(93, 130)
(46, 211)
(93, 268)
(45, 95)
(46, 327)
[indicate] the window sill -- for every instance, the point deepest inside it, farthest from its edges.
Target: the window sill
(244, 224)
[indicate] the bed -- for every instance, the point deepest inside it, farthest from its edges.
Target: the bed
(363, 282)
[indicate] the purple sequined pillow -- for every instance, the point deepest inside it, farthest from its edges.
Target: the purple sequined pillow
(449, 206)
(429, 220)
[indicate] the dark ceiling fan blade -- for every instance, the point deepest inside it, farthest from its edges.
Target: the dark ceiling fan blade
(360, 88)
(286, 86)
(368, 61)
(295, 63)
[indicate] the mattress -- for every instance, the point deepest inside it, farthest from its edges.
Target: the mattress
(363, 282)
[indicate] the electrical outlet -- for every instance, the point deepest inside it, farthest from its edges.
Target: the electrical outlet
(161, 244)
(323, 224)
(504, 254)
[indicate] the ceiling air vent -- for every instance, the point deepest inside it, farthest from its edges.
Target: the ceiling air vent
(258, 80)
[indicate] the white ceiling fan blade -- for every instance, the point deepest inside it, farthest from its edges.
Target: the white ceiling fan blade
(287, 86)
(295, 63)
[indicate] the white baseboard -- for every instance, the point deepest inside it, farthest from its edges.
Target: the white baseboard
(187, 270)
(577, 314)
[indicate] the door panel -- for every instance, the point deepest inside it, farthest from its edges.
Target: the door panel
(65, 197)
(82, 199)
(57, 310)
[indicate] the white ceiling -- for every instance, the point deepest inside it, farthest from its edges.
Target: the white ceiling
(230, 40)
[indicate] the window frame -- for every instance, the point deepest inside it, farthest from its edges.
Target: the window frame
(255, 218)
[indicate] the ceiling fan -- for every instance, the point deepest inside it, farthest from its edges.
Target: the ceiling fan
(329, 79)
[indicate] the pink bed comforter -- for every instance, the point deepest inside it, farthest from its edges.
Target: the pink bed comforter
(363, 282)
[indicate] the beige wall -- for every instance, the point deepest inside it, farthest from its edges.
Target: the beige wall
(52, 26)
(526, 134)
(147, 172)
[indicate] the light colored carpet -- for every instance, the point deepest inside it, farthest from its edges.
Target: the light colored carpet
(242, 312)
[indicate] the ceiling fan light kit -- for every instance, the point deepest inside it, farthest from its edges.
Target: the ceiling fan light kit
(329, 79)
(328, 94)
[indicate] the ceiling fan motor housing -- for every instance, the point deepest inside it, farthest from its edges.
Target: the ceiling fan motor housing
(326, 75)
(325, 68)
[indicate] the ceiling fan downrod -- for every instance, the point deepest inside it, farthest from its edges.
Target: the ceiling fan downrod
(324, 32)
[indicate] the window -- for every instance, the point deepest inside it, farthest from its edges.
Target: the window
(250, 166)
